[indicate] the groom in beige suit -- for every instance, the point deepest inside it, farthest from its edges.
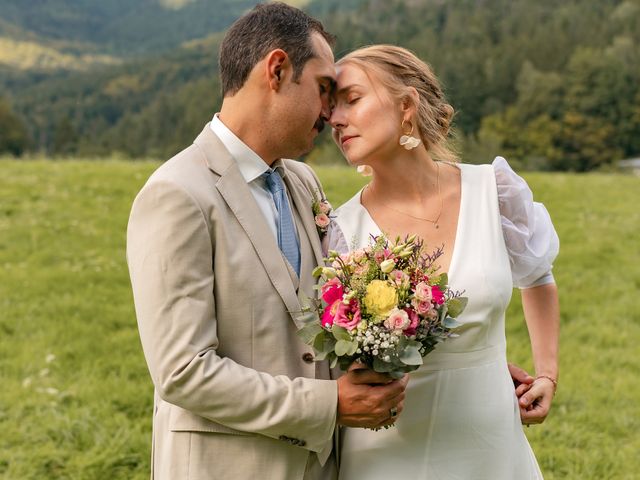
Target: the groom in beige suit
(218, 261)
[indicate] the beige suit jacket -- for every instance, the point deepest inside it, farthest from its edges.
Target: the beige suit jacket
(237, 394)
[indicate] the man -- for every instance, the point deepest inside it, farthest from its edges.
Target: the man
(221, 244)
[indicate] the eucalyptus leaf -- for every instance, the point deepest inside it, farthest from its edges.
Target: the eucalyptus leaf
(322, 356)
(451, 322)
(443, 281)
(381, 366)
(411, 356)
(443, 313)
(324, 342)
(309, 332)
(340, 333)
(334, 362)
(456, 306)
(343, 347)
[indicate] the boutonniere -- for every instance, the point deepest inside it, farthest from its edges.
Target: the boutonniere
(321, 210)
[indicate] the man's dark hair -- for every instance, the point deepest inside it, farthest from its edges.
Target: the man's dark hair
(267, 27)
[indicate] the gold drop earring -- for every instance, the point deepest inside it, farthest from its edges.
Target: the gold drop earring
(406, 140)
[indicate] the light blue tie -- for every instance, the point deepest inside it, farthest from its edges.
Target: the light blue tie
(287, 238)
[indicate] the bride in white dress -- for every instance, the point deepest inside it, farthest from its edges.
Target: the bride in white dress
(462, 417)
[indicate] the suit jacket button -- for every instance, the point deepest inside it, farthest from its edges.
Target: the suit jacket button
(308, 357)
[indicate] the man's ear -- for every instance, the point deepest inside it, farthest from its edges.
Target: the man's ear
(277, 66)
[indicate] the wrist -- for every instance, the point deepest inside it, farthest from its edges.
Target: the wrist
(549, 378)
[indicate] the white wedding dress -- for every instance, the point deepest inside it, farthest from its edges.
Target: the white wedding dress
(461, 419)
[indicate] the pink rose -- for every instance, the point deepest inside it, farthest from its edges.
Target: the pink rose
(324, 207)
(437, 294)
(332, 290)
(421, 307)
(329, 314)
(397, 320)
(423, 292)
(414, 321)
(322, 220)
(348, 316)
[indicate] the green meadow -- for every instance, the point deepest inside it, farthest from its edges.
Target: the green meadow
(75, 396)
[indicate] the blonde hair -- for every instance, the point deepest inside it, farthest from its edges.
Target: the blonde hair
(397, 69)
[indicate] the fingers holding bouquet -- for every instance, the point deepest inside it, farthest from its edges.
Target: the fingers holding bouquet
(369, 399)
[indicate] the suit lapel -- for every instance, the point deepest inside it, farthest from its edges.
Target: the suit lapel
(235, 191)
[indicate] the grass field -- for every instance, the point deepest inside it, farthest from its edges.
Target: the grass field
(75, 397)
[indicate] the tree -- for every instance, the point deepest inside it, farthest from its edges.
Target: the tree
(14, 137)
(65, 138)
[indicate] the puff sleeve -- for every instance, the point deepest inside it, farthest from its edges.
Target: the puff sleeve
(334, 240)
(529, 235)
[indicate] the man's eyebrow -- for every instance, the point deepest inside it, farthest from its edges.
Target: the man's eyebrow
(330, 80)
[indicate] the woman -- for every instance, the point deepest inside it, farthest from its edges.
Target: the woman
(461, 419)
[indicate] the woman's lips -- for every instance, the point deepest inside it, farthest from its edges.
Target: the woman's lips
(346, 138)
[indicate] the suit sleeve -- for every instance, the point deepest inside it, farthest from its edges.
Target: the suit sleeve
(169, 252)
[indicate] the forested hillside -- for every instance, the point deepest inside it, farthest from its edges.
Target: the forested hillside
(552, 85)
(117, 27)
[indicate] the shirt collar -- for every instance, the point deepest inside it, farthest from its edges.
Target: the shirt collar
(249, 162)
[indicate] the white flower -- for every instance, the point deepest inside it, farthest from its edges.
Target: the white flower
(387, 266)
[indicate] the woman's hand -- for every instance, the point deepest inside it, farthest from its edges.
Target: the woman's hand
(536, 402)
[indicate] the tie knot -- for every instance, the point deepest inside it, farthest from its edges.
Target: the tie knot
(274, 181)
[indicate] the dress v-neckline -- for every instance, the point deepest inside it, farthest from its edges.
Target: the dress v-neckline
(459, 225)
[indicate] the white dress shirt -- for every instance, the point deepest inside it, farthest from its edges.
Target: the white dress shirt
(251, 167)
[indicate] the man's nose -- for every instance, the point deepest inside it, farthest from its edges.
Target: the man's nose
(325, 112)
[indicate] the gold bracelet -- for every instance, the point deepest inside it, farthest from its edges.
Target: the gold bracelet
(553, 380)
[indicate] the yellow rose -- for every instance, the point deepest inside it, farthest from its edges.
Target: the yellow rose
(381, 298)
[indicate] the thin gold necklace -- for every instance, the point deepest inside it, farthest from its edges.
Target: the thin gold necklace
(434, 221)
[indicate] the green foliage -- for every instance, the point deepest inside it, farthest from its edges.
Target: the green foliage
(551, 86)
(86, 414)
(123, 27)
(14, 138)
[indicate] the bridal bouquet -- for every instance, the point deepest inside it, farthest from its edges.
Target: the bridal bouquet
(384, 306)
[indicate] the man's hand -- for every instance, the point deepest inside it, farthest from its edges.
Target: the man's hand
(365, 398)
(521, 379)
(534, 399)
